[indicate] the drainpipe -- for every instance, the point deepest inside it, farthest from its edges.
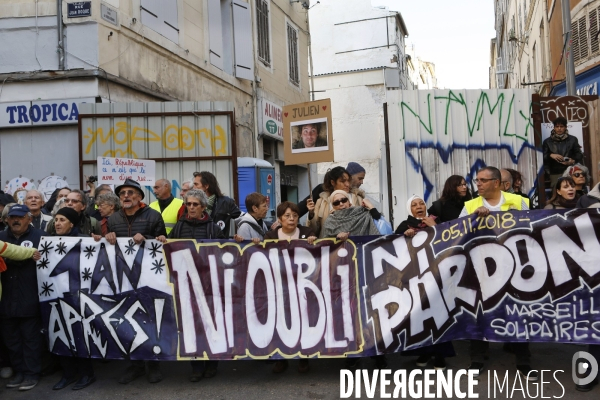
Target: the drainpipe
(60, 48)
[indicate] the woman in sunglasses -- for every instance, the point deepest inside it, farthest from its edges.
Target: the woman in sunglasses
(197, 224)
(346, 220)
(335, 179)
(581, 177)
(417, 217)
(563, 194)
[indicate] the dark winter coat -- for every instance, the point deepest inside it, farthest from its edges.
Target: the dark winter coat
(223, 211)
(567, 148)
(19, 281)
(199, 229)
(146, 221)
(445, 210)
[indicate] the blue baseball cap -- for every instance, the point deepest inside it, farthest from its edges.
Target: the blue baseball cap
(18, 210)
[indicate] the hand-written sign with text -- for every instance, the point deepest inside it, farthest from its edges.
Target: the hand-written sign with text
(513, 276)
(114, 171)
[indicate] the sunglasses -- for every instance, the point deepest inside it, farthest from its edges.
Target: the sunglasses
(127, 193)
(192, 204)
(340, 201)
(577, 175)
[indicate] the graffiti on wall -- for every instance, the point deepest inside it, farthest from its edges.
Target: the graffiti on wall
(173, 138)
(463, 131)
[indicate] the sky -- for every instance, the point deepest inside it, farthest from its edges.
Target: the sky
(453, 34)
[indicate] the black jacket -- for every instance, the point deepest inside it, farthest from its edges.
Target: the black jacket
(146, 221)
(19, 281)
(410, 222)
(445, 210)
(567, 148)
(187, 228)
(223, 211)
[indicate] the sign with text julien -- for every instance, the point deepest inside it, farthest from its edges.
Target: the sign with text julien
(512, 276)
(307, 135)
(114, 171)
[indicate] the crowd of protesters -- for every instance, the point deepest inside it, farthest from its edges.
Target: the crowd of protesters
(337, 208)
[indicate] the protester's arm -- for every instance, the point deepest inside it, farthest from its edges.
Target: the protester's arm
(14, 252)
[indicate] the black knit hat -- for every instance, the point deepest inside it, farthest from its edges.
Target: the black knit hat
(130, 183)
(70, 214)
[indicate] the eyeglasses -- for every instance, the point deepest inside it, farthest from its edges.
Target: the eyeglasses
(289, 216)
(462, 185)
(483, 180)
(340, 201)
(72, 201)
(578, 175)
(124, 193)
(192, 204)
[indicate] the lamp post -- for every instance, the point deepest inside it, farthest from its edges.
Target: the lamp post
(568, 38)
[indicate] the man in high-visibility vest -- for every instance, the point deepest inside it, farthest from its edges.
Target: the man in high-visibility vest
(492, 198)
(166, 204)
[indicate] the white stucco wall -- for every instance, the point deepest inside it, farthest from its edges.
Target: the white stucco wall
(30, 45)
(341, 27)
(357, 123)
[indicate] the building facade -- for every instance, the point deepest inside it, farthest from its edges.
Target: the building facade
(585, 46)
(520, 52)
(358, 55)
(251, 53)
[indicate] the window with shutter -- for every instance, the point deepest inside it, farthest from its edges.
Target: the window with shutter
(161, 17)
(594, 45)
(242, 40)
(583, 38)
(294, 68)
(262, 27)
(575, 41)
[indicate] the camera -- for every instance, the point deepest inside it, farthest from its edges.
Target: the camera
(92, 179)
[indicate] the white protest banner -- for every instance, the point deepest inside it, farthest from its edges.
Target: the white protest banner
(114, 171)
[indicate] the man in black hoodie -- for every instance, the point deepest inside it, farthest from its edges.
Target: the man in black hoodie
(136, 220)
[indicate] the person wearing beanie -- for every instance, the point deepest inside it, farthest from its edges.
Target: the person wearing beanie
(138, 221)
(357, 174)
(76, 370)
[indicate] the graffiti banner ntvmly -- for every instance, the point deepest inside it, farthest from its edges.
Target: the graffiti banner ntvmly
(513, 276)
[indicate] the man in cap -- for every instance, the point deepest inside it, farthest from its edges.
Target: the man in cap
(166, 204)
(135, 219)
(20, 320)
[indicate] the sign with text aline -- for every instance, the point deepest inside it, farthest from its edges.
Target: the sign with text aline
(114, 171)
(272, 120)
(512, 276)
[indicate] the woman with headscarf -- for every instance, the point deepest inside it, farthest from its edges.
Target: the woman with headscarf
(417, 217)
(76, 370)
(581, 177)
(418, 220)
(454, 195)
(563, 194)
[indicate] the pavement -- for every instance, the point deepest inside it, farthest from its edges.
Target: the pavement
(249, 380)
